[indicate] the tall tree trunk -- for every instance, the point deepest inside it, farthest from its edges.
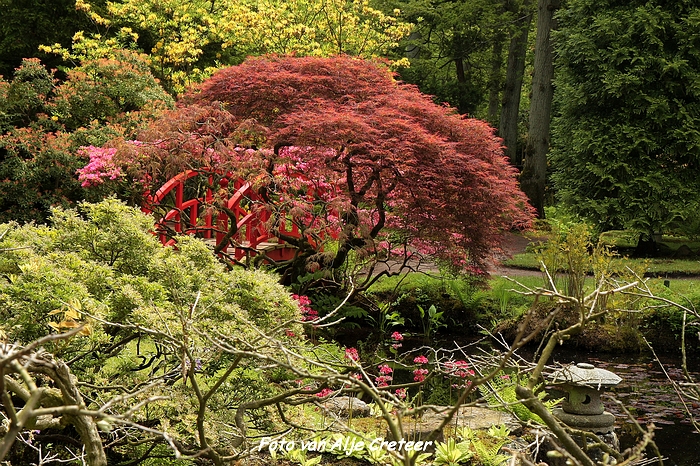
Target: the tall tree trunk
(533, 177)
(459, 68)
(413, 48)
(515, 69)
(495, 77)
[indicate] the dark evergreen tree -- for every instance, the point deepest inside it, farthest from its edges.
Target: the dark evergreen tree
(27, 24)
(627, 136)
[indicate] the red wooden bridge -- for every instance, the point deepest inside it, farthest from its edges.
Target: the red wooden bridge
(195, 209)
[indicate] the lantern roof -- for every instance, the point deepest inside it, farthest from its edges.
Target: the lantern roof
(584, 374)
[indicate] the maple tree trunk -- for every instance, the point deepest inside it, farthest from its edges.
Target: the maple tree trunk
(515, 70)
(533, 177)
(85, 425)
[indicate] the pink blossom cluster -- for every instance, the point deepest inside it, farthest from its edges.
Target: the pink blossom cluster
(305, 159)
(420, 374)
(100, 168)
(324, 393)
(458, 369)
(420, 360)
(307, 312)
(396, 337)
(351, 354)
(385, 378)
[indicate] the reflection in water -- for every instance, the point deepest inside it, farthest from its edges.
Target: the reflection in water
(650, 397)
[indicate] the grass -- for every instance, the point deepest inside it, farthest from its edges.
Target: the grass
(409, 281)
(625, 239)
(655, 267)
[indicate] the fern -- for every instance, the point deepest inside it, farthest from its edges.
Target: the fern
(486, 450)
(500, 395)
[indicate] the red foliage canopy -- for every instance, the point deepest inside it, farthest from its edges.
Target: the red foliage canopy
(393, 164)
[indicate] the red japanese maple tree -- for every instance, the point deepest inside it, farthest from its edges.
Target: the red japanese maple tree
(387, 166)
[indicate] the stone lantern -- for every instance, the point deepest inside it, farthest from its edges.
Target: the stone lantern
(583, 408)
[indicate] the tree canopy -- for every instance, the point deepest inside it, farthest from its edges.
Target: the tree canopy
(454, 48)
(187, 41)
(627, 139)
(382, 157)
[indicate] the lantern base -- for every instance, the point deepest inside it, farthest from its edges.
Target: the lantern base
(596, 423)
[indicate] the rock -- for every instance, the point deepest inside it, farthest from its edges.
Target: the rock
(519, 451)
(472, 417)
(684, 251)
(345, 406)
(420, 430)
(479, 418)
(549, 443)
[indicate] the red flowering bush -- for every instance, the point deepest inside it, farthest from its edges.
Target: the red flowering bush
(338, 144)
(44, 122)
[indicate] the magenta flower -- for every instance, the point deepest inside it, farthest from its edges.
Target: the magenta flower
(324, 393)
(351, 354)
(100, 168)
(384, 369)
(383, 380)
(459, 369)
(397, 336)
(420, 374)
(305, 307)
(401, 393)
(420, 360)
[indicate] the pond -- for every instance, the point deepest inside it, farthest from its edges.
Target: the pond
(644, 390)
(650, 397)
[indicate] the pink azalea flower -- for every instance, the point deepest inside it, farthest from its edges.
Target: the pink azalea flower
(351, 354)
(420, 360)
(420, 374)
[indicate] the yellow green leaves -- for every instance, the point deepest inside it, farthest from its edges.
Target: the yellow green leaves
(187, 41)
(71, 318)
(314, 27)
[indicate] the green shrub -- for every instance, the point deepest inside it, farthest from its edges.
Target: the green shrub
(148, 311)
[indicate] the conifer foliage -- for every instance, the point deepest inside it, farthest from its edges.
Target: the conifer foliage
(626, 140)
